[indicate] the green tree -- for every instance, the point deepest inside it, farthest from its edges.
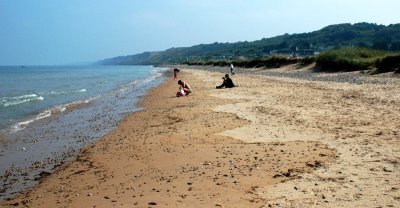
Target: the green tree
(380, 44)
(395, 46)
(283, 45)
(362, 45)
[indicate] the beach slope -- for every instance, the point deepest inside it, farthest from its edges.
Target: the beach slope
(271, 142)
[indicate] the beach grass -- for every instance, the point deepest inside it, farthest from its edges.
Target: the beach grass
(356, 59)
(275, 61)
(336, 60)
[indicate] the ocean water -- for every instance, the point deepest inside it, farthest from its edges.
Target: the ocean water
(49, 113)
(28, 94)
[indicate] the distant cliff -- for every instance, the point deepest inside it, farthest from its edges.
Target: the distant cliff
(366, 35)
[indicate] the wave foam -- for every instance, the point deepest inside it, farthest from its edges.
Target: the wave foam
(47, 113)
(154, 75)
(22, 125)
(17, 100)
(62, 92)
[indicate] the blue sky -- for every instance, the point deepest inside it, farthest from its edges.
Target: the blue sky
(46, 32)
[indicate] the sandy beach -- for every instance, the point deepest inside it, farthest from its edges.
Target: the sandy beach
(273, 141)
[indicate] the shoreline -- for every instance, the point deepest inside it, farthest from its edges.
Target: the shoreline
(240, 147)
(44, 145)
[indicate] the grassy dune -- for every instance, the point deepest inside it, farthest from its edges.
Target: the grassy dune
(337, 60)
(355, 59)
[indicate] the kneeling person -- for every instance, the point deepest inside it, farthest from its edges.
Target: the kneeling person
(185, 87)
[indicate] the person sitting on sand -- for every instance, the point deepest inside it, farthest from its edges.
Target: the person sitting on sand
(185, 87)
(227, 83)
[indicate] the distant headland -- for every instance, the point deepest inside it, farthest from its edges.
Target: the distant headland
(340, 47)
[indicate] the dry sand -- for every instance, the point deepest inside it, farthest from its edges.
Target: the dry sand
(271, 142)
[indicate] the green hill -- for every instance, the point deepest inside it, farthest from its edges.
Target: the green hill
(365, 35)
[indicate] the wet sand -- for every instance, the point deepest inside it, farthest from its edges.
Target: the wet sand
(271, 142)
(48, 143)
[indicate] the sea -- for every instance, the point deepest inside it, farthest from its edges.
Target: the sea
(49, 113)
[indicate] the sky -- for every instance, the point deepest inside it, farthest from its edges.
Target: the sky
(58, 32)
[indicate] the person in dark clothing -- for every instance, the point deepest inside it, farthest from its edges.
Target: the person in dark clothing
(176, 73)
(227, 83)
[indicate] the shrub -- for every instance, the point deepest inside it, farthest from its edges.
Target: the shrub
(195, 63)
(239, 63)
(388, 63)
(254, 63)
(270, 62)
(307, 60)
(278, 61)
